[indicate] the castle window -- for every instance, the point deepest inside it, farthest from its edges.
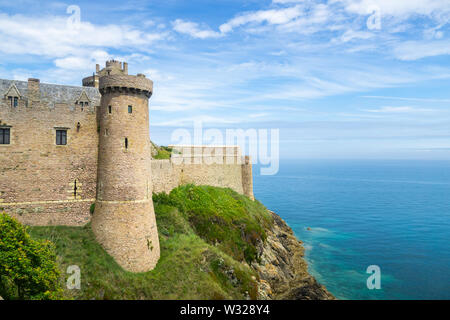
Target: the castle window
(4, 135)
(75, 189)
(130, 109)
(16, 102)
(61, 137)
(110, 109)
(126, 143)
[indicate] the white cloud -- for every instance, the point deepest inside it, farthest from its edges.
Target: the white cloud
(402, 109)
(82, 62)
(193, 29)
(407, 99)
(350, 35)
(272, 16)
(398, 8)
(51, 36)
(77, 49)
(414, 50)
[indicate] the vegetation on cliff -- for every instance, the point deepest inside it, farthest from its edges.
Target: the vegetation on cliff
(161, 152)
(207, 235)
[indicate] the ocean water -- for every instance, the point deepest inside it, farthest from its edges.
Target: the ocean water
(393, 214)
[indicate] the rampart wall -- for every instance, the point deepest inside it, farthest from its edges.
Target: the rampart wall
(204, 165)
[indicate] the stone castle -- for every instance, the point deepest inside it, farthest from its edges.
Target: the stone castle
(63, 148)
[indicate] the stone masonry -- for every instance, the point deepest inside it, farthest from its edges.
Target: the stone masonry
(103, 157)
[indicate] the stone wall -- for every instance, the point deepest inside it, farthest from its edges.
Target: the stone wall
(201, 165)
(37, 177)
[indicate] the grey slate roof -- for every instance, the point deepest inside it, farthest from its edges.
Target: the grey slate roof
(53, 92)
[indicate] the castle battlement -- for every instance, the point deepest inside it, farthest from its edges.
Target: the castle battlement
(121, 82)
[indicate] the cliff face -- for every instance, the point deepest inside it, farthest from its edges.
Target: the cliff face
(282, 269)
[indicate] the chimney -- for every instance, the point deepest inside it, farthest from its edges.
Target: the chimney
(34, 93)
(125, 68)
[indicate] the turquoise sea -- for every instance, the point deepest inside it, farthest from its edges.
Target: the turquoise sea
(393, 214)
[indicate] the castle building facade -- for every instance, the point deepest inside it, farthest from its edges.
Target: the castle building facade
(63, 148)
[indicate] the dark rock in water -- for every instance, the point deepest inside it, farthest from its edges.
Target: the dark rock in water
(309, 229)
(282, 268)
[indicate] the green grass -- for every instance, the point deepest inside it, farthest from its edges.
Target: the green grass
(206, 235)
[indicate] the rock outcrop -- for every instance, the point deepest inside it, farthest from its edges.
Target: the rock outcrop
(283, 270)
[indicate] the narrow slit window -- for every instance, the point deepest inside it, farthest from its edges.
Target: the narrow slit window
(130, 109)
(126, 143)
(16, 101)
(61, 137)
(110, 109)
(4, 136)
(75, 189)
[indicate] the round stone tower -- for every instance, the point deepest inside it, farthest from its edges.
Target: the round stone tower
(124, 219)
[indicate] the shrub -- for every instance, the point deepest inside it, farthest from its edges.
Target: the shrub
(28, 268)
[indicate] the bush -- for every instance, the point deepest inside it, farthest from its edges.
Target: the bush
(28, 268)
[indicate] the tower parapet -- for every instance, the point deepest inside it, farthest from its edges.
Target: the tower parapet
(124, 219)
(126, 83)
(113, 67)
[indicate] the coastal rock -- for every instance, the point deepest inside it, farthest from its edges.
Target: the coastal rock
(282, 269)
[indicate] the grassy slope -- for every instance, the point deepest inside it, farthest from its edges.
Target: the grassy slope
(206, 235)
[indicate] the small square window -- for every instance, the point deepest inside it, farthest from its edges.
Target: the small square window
(61, 137)
(130, 109)
(4, 135)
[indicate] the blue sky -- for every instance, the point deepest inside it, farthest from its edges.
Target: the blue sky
(339, 78)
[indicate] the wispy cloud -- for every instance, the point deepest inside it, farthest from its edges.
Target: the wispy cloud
(272, 16)
(408, 99)
(414, 50)
(193, 29)
(403, 109)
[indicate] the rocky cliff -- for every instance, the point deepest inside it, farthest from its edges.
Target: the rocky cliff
(282, 268)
